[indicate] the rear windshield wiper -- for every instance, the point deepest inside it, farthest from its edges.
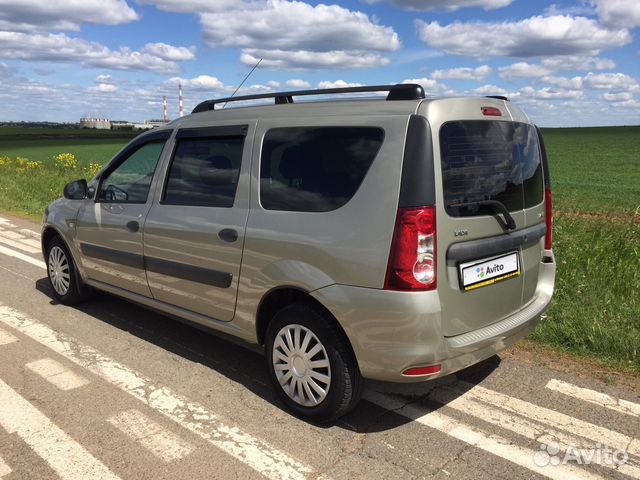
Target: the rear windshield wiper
(496, 206)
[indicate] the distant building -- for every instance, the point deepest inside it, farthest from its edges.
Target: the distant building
(147, 125)
(99, 123)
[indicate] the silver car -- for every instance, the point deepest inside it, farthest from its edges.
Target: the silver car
(398, 239)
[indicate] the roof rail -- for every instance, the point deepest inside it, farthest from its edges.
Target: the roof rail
(401, 91)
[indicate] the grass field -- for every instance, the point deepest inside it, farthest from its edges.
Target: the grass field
(27, 189)
(596, 186)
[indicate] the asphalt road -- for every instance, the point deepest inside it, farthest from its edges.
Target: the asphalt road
(110, 390)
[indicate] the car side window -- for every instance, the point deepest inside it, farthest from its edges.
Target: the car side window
(315, 169)
(204, 171)
(130, 181)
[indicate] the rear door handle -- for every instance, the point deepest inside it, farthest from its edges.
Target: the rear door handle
(228, 235)
(133, 226)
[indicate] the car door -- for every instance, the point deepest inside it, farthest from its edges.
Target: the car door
(194, 233)
(109, 226)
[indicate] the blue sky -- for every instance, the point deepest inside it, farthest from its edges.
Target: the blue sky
(568, 63)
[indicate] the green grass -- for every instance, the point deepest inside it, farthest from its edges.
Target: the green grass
(28, 191)
(595, 169)
(595, 311)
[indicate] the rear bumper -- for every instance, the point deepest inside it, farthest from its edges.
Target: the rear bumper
(392, 331)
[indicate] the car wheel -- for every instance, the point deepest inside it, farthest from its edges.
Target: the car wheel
(311, 363)
(64, 280)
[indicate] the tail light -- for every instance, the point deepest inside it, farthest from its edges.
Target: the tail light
(491, 111)
(548, 218)
(412, 261)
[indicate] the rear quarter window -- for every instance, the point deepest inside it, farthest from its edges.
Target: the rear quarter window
(315, 169)
(490, 160)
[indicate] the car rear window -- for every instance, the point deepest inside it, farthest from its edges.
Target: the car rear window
(490, 160)
(315, 169)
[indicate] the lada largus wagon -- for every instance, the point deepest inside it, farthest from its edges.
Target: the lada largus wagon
(398, 239)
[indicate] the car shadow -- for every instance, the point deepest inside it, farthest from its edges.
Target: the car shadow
(244, 364)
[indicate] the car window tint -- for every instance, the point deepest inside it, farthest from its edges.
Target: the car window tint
(490, 160)
(131, 180)
(204, 172)
(315, 169)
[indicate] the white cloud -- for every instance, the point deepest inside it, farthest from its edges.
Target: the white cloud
(169, 52)
(551, 93)
(568, 63)
(574, 83)
(338, 84)
(631, 103)
(430, 85)
(291, 34)
(447, 5)
(103, 88)
(524, 70)
(5, 70)
(550, 65)
(618, 13)
(61, 48)
(108, 79)
(463, 73)
(582, 9)
(295, 25)
(618, 97)
(201, 82)
(25, 15)
(306, 59)
(535, 36)
(194, 6)
(611, 81)
(490, 90)
(297, 83)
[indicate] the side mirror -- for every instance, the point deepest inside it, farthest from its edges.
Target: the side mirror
(76, 190)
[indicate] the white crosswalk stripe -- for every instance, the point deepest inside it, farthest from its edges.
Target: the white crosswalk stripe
(597, 398)
(66, 457)
(546, 416)
(21, 256)
(6, 223)
(493, 444)
(6, 338)
(30, 233)
(492, 408)
(4, 468)
(542, 432)
(162, 443)
(255, 453)
(57, 374)
(20, 245)
(10, 234)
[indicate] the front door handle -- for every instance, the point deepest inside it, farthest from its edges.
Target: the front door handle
(228, 235)
(133, 226)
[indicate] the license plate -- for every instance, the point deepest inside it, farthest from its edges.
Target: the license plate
(486, 271)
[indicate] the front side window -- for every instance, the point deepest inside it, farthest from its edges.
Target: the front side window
(315, 169)
(204, 172)
(131, 180)
(489, 160)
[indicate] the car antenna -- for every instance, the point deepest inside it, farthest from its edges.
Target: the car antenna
(243, 80)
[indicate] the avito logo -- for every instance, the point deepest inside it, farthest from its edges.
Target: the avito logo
(482, 271)
(496, 268)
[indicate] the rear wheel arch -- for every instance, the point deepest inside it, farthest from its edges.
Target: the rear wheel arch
(281, 297)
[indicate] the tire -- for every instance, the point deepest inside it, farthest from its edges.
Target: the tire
(332, 366)
(64, 280)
